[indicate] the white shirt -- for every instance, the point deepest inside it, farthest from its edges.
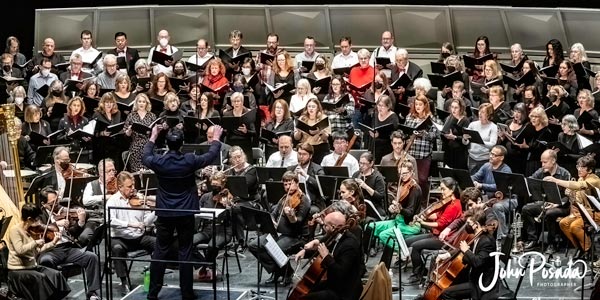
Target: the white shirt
(298, 103)
(300, 57)
(349, 161)
(88, 56)
(382, 52)
(89, 199)
(276, 161)
(344, 61)
(60, 183)
(158, 68)
(120, 218)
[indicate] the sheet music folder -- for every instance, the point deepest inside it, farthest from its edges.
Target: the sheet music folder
(275, 252)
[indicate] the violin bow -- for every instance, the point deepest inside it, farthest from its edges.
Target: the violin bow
(71, 182)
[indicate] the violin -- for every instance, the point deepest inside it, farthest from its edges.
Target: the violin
(290, 200)
(71, 213)
(140, 201)
(111, 186)
(224, 199)
(433, 208)
(71, 172)
(40, 231)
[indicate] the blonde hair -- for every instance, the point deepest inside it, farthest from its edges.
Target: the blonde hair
(541, 113)
(145, 97)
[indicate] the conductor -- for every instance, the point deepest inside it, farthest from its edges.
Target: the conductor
(176, 191)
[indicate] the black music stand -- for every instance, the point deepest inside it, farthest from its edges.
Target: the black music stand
(336, 171)
(549, 191)
(275, 191)
(34, 189)
(328, 186)
(43, 154)
(79, 184)
(269, 174)
(237, 186)
(143, 178)
(261, 222)
(463, 177)
(197, 149)
(511, 184)
(390, 173)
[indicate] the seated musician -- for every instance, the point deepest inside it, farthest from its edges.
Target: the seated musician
(476, 255)
(210, 137)
(26, 152)
(94, 197)
(66, 249)
(404, 207)
(484, 178)
(289, 217)
(58, 175)
(308, 171)
(572, 225)
(128, 227)
(286, 156)
(436, 217)
(218, 197)
(397, 137)
(340, 258)
(26, 278)
(371, 182)
(532, 210)
(340, 148)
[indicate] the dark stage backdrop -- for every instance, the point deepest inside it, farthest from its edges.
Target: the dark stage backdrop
(20, 20)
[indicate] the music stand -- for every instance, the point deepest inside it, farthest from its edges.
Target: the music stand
(328, 186)
(390, 173)
(511, 184)
(549, 191)
(237, 186)
(336, 171)
(197, 149)
(79, 184)
(275, 191)
(43, 154)
(142, 177)
(34, 189)
(372, 210)
(269, 174)
(463, 177)
(261, 222)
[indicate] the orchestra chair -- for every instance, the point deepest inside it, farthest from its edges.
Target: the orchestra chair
(437, 162)
(258, 156)
(202, 242)
(69, 270)
(133, 255)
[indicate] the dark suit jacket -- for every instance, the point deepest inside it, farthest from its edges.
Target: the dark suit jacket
(312, 185)
(343, 276)
(67, 75)
(229, 71)
(15, 72)
(413, 71)
(482, 264)
(132, 55)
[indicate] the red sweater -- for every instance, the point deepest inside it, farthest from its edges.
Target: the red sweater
(447, 215)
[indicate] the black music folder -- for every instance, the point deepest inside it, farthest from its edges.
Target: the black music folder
(239, 59)
(337, 104)
(586, 120)
(384, 130)
(359, 88)
(323, 83)
(471, 62)
(437, 67)
(549, 71)
(510, 69)
(265, 57)
(161, 58)
(550, 80)
(383, 61)
(62, 67)
(143, 129)
(113, 129)
(124, 107)
(321, 125)
(38, 139)
(425, 125)
(368, 103)
(43, 90)
(58, 110)
(277, 87)
(582, 71)
(11, 80)
(177, 83)
(93, 63)
(402, 81)
(252, 81)
(144, 82)
(157, 105)
(90, 104)
(192, 67)
(345, 71)
(86, 131)
(121, 62)
(444, 80)
(233, 122)
(308, 65)
(525, 80)
(216, 90)
(475, 136)
(442, 114)
(268, 135)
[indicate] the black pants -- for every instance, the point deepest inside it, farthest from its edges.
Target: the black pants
(64, 253)
(121, 246)
(426, 241)
(288, 245)
(531, 210)
(457, 291)
(165, 229)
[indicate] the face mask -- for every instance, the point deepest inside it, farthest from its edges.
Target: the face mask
(320, 66)
(45, 72)
(56, 93)
(64, 165)
(216, 189)
(553, 98)
(238, 88)
(469, 229)
(6, 68)
(378, 85)
(178, 72)
(19, 100)
(445, 55)
(246, 71)
(163, 42)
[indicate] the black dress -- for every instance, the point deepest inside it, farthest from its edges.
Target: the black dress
(286, 125)
(109, 146)
(382, 144)
(455, 152)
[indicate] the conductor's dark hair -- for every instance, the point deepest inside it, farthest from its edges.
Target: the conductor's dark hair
(29, 210)
(120, 33)
(450, 183)
(47, 190)
(86, 32)
(175, 138)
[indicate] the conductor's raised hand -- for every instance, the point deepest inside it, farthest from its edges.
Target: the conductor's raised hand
(155, 131)
(218, 131)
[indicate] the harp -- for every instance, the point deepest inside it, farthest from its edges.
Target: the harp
(11, 184)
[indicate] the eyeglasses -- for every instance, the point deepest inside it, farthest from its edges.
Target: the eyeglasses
(492, 154)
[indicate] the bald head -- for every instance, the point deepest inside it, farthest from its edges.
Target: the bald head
(284, 143)
(335, 219)
(548, 160)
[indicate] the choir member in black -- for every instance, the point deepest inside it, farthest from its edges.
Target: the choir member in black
(554, 53)
(478, 261)
(528, 66)
(26, 153)
(482, 47)
(320, 70)
(379, 88)
(568, 80)
(568, 150)
(534, 142)
(557, 107)
(578, 55)
(371, 182)
(241, 136)
(289, 216)
(340, 259)
(142, 113)
(532, 98)
(453, 63)
(381, 144)
(238, 85)
(585, 100)
(72, 121)
(319, 139)
(500, 106)
(236, 49)
(248, 70)
(283, 72)
(180, 71)
(142, 70)
(91, 90)
(516, 156)
(201, 107)
(240, 167)
(160, 87)
(455, 152)
(106, 145)
(457, 91)
(281, 121)
(445, 52)
(123, 93)
(532, 210)
(35, 123)
(308, 171)
(56, 94)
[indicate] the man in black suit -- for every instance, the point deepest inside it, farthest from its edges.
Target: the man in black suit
(476, 256)
(308, 171)
(122, 50)
(235, 38)
(54, 177)
(403, 66)
(340, 259)
(9, 71)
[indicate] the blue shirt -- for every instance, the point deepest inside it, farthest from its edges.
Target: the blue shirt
(175, 172)
(486, 177)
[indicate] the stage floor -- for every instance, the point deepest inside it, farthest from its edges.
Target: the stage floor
(241, 284)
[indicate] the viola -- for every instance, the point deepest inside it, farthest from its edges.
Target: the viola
(111, 186)
(71, 213)
(40, 231)
(224, 199)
